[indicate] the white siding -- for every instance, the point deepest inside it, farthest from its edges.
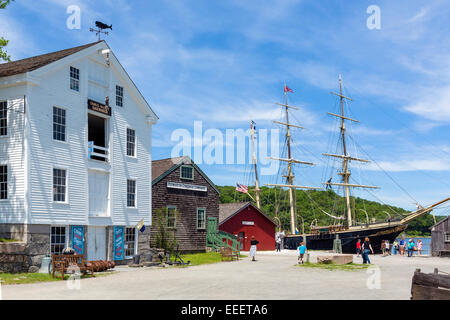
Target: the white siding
(53, 89)
(12, 153)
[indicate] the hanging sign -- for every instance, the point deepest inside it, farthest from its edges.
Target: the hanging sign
(99, 107)
(77, 239)
(118, 243)
(248, 223)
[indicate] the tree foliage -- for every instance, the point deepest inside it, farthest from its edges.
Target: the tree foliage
(3, 42)
(165, 237)
(309, 204)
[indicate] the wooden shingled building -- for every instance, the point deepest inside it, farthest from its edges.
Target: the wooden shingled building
(188, 198)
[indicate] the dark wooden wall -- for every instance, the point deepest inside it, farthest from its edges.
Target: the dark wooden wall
(189, 238)
(438, 237)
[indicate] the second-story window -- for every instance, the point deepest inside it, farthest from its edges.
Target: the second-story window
(119, 96)
(187, 172)
(59, 124)
(131, 193)
(3, 182)
(59, 185)
(131, 142)
(74, 79)
(3, 118)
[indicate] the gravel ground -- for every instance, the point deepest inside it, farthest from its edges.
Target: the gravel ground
(272, 276)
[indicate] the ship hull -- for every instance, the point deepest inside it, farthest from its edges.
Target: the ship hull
(324, 241)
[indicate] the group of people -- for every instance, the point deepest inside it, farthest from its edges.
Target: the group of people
(409, 247)
(362, 248)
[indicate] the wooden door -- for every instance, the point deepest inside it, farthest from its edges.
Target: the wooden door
(96, 243)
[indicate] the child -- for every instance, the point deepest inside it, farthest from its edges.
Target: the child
(358, 247)
(301, 252)
(419, 247)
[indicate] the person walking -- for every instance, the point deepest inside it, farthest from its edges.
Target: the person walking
(419, 247)
(388, 247)
(366, 249)
(402, 245)
(410, 248)
(395, 246)
(383, 248)
(301, 252)
(253, 244)
(358, 247)
(278, 242)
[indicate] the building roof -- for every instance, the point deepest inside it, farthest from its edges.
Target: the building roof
(33, 63)
(442, 221)
(163, 167)
(228, 210)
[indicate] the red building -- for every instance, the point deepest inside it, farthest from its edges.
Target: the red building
(245, 220)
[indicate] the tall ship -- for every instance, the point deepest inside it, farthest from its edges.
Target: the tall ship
(344, 226)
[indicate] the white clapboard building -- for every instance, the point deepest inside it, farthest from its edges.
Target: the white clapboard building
(75, 155)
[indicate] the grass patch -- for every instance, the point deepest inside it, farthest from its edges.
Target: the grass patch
(8, 240)
(332, 266)
(203, 258)
(22, 278)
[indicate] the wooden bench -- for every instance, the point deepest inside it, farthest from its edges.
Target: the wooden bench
(228, 254)
(432, 286)
(70, 262)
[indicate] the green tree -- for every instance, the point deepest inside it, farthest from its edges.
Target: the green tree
(311, 203)
(3, 42)
(165, 236)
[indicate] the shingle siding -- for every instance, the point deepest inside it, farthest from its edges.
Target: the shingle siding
(188, 236)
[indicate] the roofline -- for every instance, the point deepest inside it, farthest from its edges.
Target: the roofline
(438, 223)
(180, 163)
(246, 204)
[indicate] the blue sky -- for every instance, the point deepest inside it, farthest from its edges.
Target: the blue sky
(225, 62)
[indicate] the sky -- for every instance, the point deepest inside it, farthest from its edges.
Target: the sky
(225, 63)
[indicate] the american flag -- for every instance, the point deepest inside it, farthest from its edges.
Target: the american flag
(241, 188)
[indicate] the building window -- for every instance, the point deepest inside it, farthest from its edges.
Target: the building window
(3, 182)
(131, 142)
(119, 96)
(130, 242)
(171, 216)
(59, 185)
(201, 218)
(74, 79)
(447, 237)
(59, 124)
(131, 193)
(187, 172)
(57, 240)
(3, 118)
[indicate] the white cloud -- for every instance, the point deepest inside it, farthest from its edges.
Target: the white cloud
(434, 104)
(411, 165)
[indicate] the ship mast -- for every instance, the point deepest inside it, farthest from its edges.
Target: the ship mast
(290, 176)
(345, 173)
(257, 190)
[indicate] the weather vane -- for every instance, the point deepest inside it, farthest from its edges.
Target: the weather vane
(100, 29)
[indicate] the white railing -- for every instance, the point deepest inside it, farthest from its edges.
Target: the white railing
(100, 153)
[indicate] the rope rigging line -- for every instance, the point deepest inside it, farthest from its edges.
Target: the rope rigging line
(387, 174)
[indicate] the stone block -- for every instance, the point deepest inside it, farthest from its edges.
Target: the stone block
(324, 259)
(343, 259)
(38, 248)
(33, 269)
(336, 259)
(12, 247)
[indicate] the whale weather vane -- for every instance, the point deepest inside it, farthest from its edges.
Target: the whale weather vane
(100, 29)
